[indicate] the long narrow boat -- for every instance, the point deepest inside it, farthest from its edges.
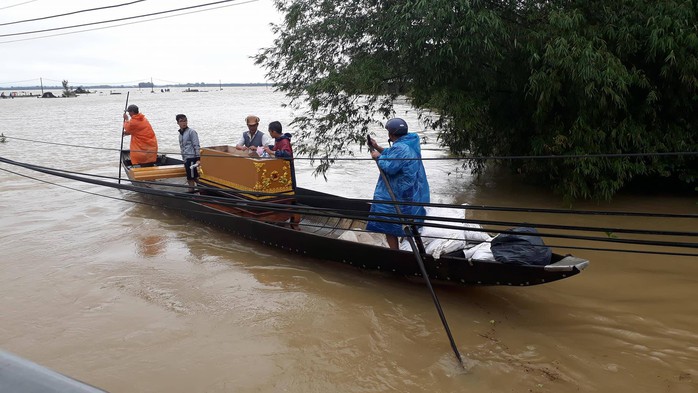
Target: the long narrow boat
(257, 199)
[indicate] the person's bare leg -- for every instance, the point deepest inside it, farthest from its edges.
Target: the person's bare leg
(191, 183)
(392, 242)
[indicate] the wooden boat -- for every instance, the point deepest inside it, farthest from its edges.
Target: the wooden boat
(257, 198)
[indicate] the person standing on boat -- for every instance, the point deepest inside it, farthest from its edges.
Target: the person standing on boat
(402, 166)
(282, 142)
(144, 144)
(190, 148)
(252, 138)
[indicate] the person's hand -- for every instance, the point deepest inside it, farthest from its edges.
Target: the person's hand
(375, 154)
(376, 146)
(268, 150)
(125, 116)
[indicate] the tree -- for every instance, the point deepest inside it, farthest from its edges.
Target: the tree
(67, 92)
(504, 78)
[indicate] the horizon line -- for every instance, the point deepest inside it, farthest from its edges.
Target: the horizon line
(229, 84)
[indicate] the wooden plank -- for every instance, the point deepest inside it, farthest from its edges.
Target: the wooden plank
(159, 168)
(158, 172)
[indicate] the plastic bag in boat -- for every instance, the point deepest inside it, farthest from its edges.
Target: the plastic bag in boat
(438, 241)
(355, 235)
(480, 252)
(524, 247)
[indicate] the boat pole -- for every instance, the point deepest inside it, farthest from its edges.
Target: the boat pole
(121, 150)
(409, 234)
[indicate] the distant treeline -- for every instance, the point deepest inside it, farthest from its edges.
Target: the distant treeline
(185, 85)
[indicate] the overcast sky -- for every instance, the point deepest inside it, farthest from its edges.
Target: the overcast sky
(209, 46)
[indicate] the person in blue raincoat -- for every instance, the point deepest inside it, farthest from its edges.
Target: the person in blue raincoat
(407, 179)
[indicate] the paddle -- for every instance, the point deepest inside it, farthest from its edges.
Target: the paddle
(410, 235)
(121, 150)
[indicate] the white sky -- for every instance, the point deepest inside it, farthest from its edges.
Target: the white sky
(208, 46)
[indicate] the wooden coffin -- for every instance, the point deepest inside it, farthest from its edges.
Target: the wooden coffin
(227, 167)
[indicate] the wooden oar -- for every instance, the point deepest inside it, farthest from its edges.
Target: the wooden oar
(121, 150)
(409, 234)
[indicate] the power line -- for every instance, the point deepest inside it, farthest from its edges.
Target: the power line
(125, 24)
(600, 155)
(270, 206)
(111, 83)
(28, 80)
(118, 19)
(619, 155)
(16, 5)
(355, 230)
(444, 205)
(71, 13)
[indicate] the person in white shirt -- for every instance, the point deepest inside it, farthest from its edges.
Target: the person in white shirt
(252, 138)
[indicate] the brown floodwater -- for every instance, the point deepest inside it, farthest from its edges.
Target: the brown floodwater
(132, 298)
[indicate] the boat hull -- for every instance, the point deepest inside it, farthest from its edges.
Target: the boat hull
(450, 268)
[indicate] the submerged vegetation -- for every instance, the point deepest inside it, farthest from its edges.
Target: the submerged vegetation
(516, 78)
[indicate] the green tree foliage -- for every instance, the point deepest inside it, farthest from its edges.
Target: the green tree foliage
(67, 91)
(520, 78)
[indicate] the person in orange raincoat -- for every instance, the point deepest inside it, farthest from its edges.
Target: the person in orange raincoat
(144, 144)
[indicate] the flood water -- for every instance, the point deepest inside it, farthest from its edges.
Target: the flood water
(132, 298)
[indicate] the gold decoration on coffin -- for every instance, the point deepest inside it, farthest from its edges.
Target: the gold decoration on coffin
(265, 182)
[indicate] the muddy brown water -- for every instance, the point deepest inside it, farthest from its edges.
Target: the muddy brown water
(132, 298)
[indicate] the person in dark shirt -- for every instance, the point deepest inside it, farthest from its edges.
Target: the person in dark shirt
(282, 142)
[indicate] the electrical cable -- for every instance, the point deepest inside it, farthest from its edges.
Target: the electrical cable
(28, 80)
(438, 205)
(70, 13)
(619, 155)
(17, 5)
(472, 207)
(266, 206)
(323, 227)
(119, 19)
(126, 24)
(481, 207)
